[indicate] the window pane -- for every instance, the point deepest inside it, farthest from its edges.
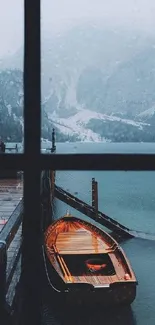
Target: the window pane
(98, 71)
(11, 72)
(123, 197)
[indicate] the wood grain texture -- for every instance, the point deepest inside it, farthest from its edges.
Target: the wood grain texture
(70, 242)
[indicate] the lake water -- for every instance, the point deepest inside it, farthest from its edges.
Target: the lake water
(128, 197)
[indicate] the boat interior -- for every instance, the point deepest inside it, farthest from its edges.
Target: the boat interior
(83, 253)
(88, 264)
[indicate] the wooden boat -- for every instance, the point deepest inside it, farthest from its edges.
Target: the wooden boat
(86, 264)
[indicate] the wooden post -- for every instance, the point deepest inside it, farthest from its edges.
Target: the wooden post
(46, 199)
(94, 194)
(52, 172)
(93, 190)
(52, 183)
(53, 149)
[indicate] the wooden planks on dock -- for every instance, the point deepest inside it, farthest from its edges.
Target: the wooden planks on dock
(11, 192)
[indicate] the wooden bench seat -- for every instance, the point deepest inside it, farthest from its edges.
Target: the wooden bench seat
(80, 242)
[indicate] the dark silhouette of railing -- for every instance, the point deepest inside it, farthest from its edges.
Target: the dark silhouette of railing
(7, 235)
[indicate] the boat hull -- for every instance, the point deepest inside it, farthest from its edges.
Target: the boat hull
(102, 296)
(85, 265)
(114, 294)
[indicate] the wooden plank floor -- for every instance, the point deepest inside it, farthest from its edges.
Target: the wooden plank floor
(11, 192)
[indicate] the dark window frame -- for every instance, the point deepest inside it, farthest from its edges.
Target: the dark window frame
(32, 162)
(32, 119)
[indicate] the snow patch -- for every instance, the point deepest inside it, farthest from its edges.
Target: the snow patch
(85, 115)
(9, 109)
(147, 113)
(76, 124)
(85, 135)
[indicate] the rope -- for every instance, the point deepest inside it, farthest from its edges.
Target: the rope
(48, 278)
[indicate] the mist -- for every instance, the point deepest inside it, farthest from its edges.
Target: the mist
(61, 14)
(138, 14)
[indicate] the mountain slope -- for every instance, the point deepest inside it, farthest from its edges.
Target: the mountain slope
(92, 126)
(82, 125)
(97, 85)
(11, 103)
(130, 89)
(11, 110)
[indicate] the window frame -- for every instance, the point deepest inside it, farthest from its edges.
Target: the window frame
(32, 125)
(32, 161)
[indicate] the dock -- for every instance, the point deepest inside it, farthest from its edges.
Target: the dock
(11, 194)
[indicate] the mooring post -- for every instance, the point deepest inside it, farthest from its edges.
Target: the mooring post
(93, 190)
(48, 186)
(53, 141)
(3, 262)
(52, 183)
(94, 194)
(52, 172)
(45, 198)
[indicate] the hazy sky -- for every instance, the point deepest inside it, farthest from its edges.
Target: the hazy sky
(56, 14)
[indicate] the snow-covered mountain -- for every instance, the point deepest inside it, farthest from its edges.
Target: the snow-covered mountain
(11, 109)
(97, 85)
(11, 104)
(78, 124)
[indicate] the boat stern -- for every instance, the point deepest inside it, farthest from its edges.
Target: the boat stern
(105, 294)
